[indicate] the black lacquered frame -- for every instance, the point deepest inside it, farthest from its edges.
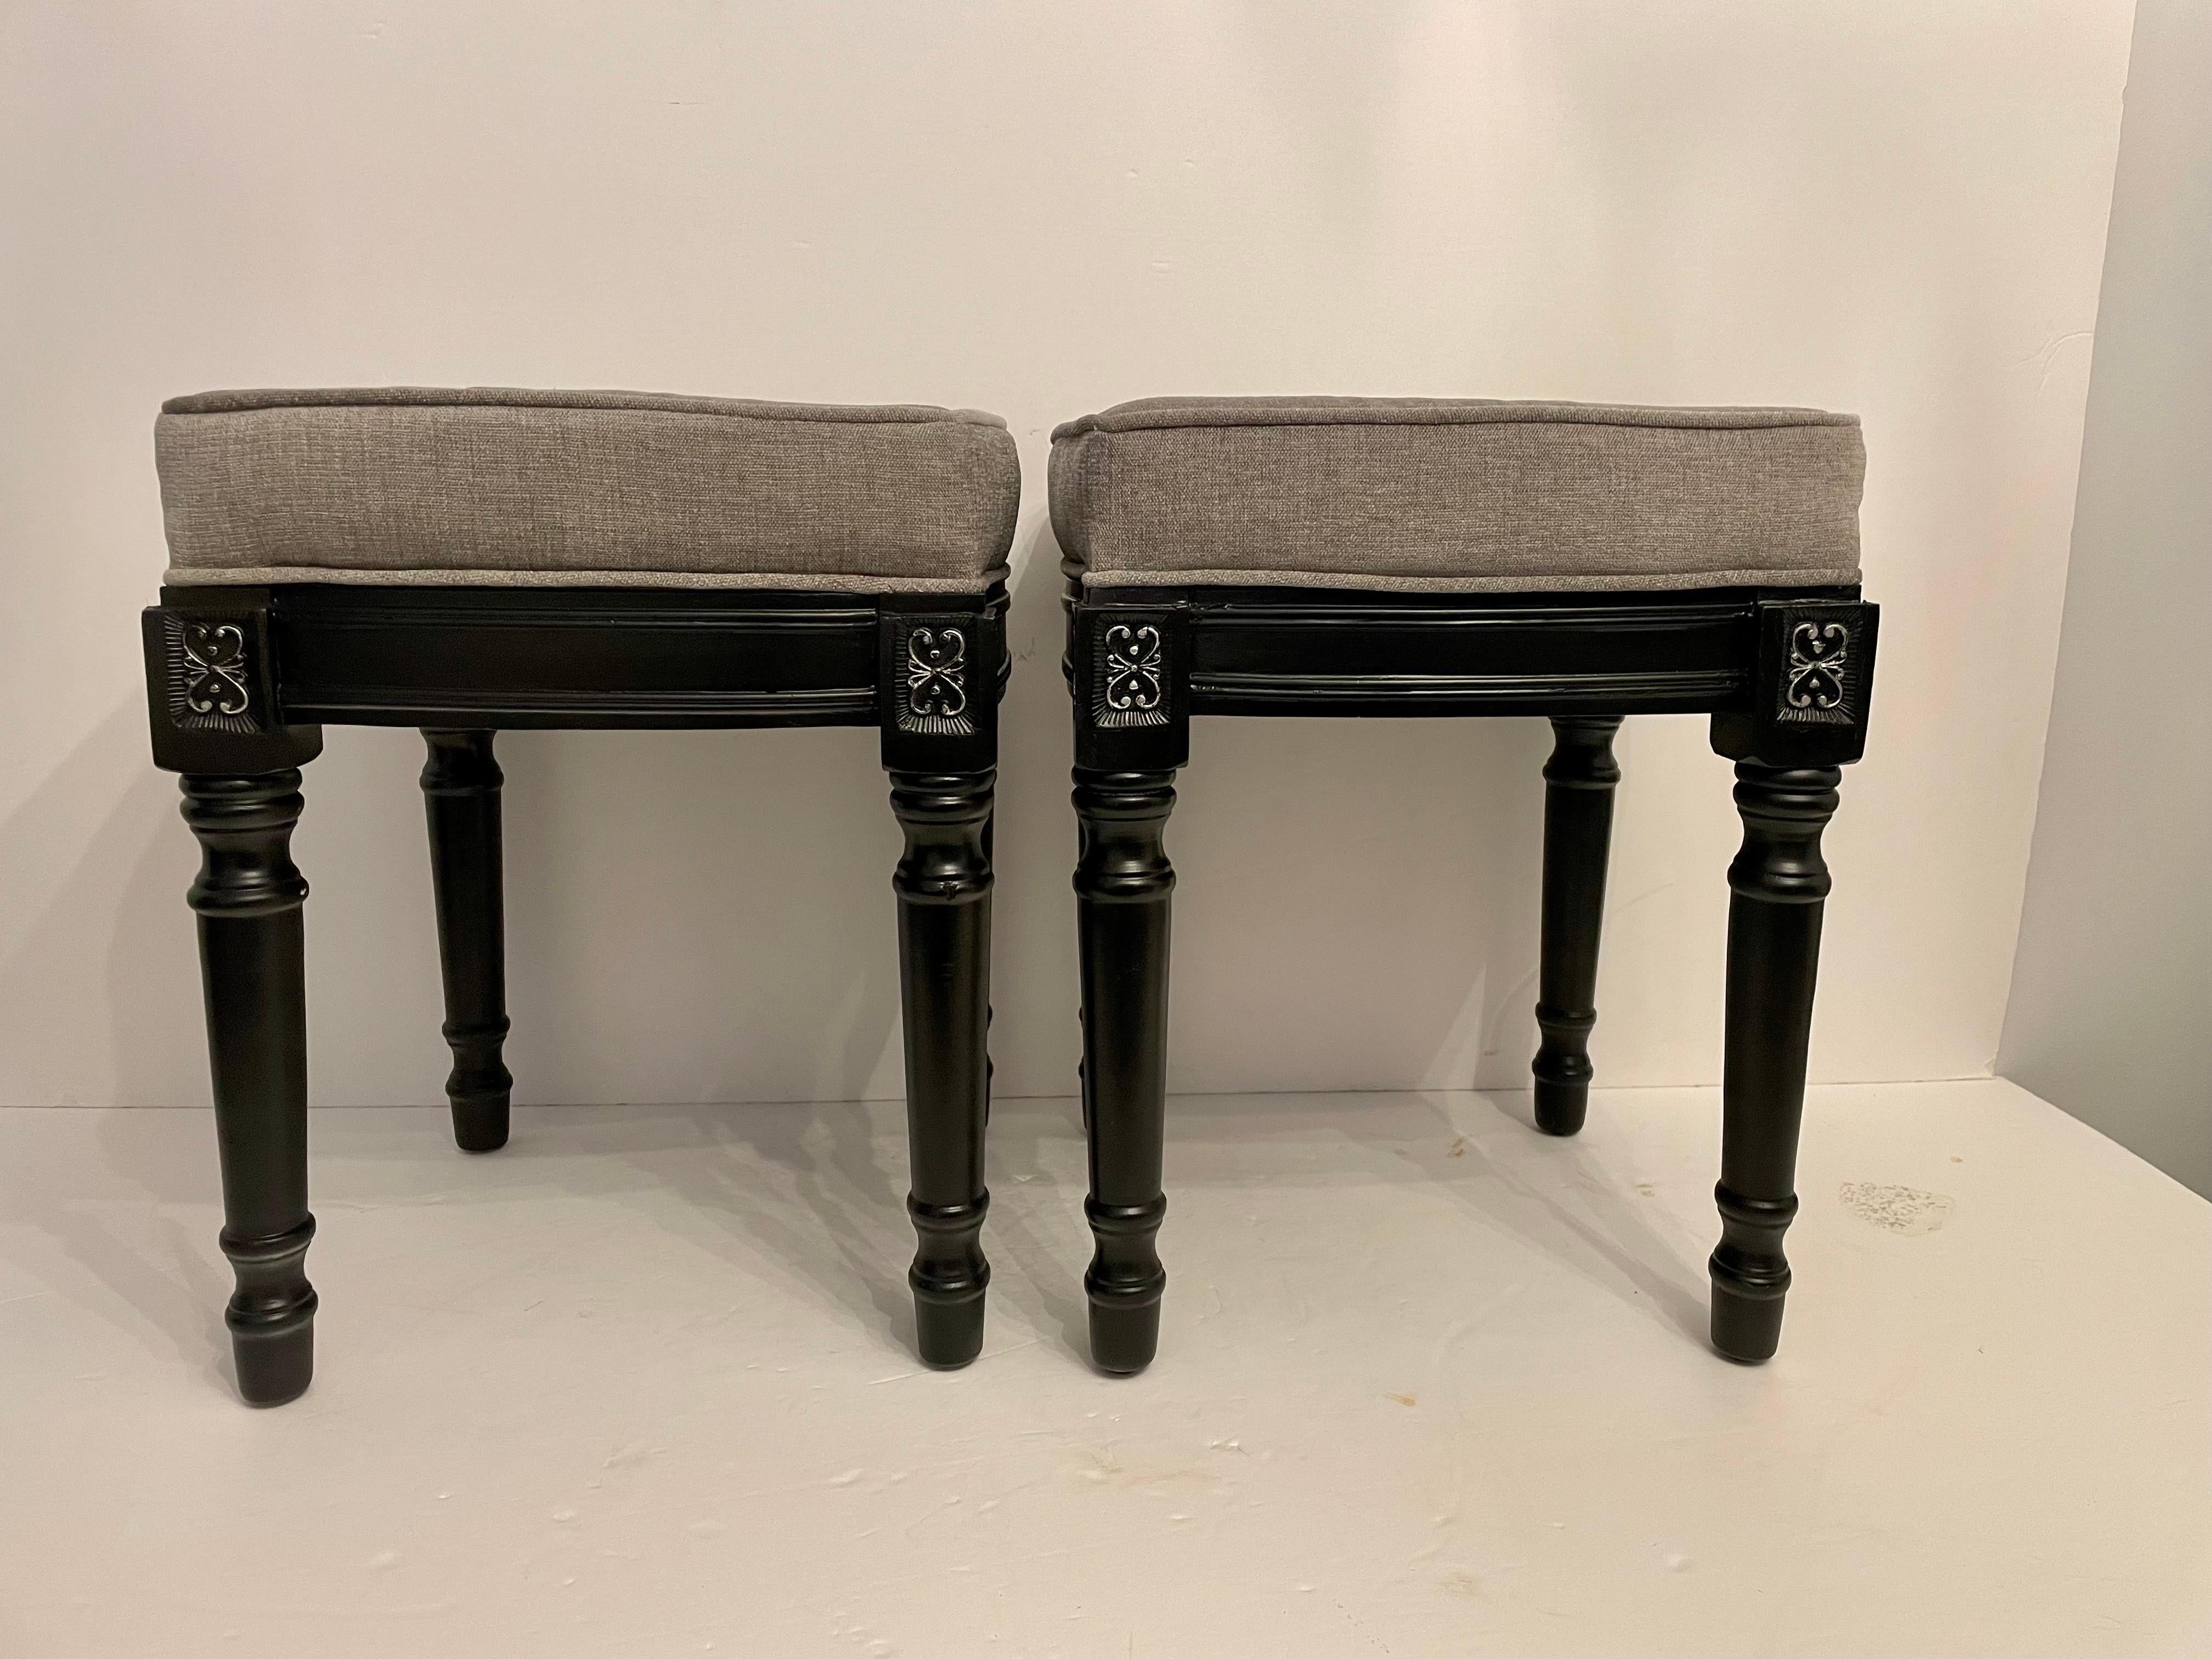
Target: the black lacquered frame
(1786, 677)
(240, 682)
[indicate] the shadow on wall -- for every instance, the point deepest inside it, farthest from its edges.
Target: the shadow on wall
(97, 867)
(690, 917)
(702, 915)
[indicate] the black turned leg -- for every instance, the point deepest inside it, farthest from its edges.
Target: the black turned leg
(249, 896)
(943, 887)
(1803, 715)
(990, 1014)
(460, 790)
(1578, 783)
(1123, 880)
(1779, 882)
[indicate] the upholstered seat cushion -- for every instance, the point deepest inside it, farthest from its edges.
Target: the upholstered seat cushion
(1417, 494)
(582, 489)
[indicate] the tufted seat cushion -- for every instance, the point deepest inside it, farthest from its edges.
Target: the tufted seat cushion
(493, 487)
(1456, 494)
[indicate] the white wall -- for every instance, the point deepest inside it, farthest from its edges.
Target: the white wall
(2113, 982)
(1882, 205)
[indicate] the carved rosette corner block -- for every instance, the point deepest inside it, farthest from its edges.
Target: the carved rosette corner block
(1812, 685)
(938, 681)
(1130, 675)
(212, 674)
(1818, 682)
(934, 686)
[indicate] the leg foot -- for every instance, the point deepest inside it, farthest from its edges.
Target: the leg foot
(1124, 1338)
(1750, 1277)
(943, 887)
(272, 1315)
(1746, 1329)
(948, 1282)
(461, 784)
(1125, 1286)
(1562, 1098)
(1578, 785)
(274, 1366)
(480, 1125)
(1124, 881)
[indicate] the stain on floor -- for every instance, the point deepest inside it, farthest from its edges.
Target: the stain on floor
(1903, 1210)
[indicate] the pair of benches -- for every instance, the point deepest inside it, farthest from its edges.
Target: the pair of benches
(466, 562)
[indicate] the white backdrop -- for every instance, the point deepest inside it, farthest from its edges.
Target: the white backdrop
(2113, 977)
(1877, 205)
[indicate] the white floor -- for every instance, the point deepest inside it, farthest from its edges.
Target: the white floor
(1430, 1384)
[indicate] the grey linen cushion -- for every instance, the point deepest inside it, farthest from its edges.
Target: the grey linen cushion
(1456, 494)
(493, 487)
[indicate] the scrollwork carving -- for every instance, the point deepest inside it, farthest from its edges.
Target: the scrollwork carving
(936, 698)
(1816, 679)
(211, 679)
(1131, 676)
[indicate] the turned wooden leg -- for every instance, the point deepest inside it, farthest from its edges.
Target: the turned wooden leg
(943, 887)
(990, 1013)
(461, 792)
(249, 896)
(1578, 784)
(1123, 880)
(1779, 882)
